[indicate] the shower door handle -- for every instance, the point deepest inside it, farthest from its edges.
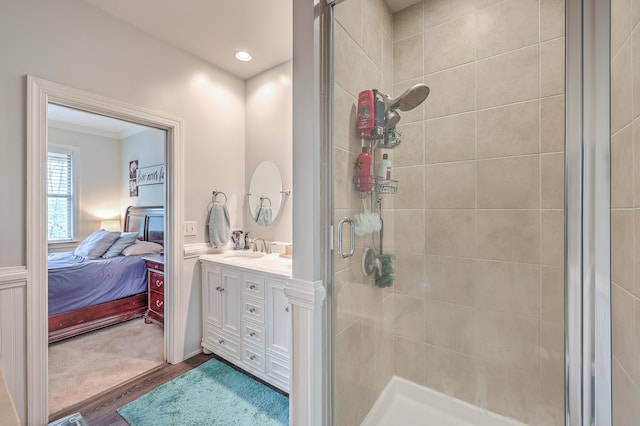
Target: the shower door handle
(341, 253)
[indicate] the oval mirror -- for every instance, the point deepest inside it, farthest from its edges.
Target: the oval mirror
(265, 193)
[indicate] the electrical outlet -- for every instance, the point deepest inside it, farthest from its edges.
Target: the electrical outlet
(189, 228)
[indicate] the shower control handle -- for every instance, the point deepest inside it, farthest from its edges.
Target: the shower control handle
(341, 253)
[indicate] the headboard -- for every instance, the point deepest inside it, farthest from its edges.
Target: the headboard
(147, 221)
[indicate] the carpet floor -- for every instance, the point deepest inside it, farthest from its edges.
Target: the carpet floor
(87, 365)
(211, 394)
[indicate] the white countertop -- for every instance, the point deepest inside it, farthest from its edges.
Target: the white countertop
(272, 263)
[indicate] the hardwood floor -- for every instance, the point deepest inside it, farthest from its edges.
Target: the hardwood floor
(101, 409)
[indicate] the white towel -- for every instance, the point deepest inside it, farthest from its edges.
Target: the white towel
(219, 224)
(264, 216)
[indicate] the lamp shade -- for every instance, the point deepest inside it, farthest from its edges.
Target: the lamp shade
(110, 225)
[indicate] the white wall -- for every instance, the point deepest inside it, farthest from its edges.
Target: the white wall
(269, 126)
(148, 148)
(75, 44)
(98, 176)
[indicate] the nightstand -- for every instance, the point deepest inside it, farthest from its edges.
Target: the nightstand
(155, 289)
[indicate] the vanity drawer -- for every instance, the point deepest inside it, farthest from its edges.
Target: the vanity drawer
(156, 282)
(253, 358)
(253, 286)
(220, 343)
(156, 302)
(253, 334)
(253, 310)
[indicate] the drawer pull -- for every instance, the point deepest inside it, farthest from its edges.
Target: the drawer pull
(252, 310)
(221, 341)
(252, 287)
(252, 334)
(252, 357)
(220, 289)
(159, 283)
(286, 309)
(159, 303)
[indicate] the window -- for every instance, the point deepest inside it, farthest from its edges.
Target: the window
(60, 202)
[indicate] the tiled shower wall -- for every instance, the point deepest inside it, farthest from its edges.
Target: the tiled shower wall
(625, 210)
(476, 311)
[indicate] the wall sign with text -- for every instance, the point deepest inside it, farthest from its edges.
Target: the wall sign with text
(151, 175)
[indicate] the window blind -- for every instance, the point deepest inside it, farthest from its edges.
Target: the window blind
(60, 196)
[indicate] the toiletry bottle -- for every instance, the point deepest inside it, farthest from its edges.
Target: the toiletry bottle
(384, 168)
(365, 179)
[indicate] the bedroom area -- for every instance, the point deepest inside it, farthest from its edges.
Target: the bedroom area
(105, 246)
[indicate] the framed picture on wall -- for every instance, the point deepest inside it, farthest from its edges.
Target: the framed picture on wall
(133, 188)
(133, 169)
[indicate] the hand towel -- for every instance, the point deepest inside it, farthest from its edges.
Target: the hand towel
(264, 216)
(219, 224)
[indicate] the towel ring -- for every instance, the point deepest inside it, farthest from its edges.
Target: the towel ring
(215, 195)
(262, 201)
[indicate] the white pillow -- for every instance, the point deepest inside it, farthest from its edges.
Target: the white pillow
(142, 247)
(96, 244)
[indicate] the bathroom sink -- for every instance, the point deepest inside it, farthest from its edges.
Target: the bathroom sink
(245, 255)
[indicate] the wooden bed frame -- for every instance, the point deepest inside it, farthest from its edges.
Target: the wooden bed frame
(149, 223)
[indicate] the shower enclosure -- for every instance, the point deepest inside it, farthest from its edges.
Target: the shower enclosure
(476, 228)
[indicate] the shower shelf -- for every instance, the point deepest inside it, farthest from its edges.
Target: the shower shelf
(377, 185)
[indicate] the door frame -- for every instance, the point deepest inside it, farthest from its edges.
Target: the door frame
(39, 94)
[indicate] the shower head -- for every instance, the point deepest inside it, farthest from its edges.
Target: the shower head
(409, 99)
(391, 118)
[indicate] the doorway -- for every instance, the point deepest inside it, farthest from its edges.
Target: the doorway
(40, 94)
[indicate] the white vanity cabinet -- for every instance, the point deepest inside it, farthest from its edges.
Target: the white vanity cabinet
(247, 319)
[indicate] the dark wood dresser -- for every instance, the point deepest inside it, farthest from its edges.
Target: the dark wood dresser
(155, 289)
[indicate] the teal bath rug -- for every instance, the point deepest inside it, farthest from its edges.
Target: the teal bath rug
(211, 394)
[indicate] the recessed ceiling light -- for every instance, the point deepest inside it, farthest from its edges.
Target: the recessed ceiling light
(243, 56)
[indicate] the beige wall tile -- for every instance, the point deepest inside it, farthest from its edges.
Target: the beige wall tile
(450, 326)
(408, 22)
(552, 181)
(508, 78)
(437, 12)
(552, 237)
(552, 293)
(407, 225)
(349, 69)
(551, 19)
(551, 408)
(344, 120)
(408, 58)
(552, 124)
(409, 360)
(621, 24)
(623, 328)
(342, 175)
(372, 36)
(450, 232)
(622, 248)
(635, 63)
(452, 91)
(387, 64)
(451, 279)
(411, 149)
(409, 317)
(508, 340)
(552, 73)
(348, 360)
(507, 391)
(635, 13)
(506, 26)
(371, 74)
(621, 96)
(410, 193)
(409, 275)
(636, 163)
(626, 394)
(450, 138)
(382, 363)
(451, 373)
(636, 338)
(512, 235)
(416, 114)
(622, 176)
(509, 130)
(636, 251)
(450, 185)
(509, 183)
(349, 16)
(449, 44)
(508, 287)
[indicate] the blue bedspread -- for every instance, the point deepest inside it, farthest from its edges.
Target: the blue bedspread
(75, 283)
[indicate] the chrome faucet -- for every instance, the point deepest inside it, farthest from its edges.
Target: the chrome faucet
(264, 249)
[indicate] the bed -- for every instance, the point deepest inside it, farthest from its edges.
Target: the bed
(85, 295)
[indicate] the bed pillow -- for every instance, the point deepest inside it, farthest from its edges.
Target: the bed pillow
(125, 240)
(96, 244)
(142, 247)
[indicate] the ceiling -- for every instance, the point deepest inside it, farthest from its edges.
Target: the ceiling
(214, 29)
(86, 122)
